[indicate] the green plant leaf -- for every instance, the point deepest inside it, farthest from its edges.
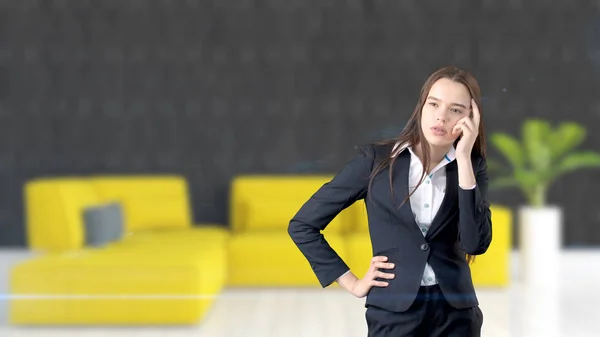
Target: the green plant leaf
(567, 136)
(541, 158)
(529, 182)
(527, 179)
(578, 160)
(510, 148)
(535, 135)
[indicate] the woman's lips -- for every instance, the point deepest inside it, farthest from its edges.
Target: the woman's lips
(438, 131)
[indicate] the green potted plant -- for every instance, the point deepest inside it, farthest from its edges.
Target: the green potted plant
(542, 156)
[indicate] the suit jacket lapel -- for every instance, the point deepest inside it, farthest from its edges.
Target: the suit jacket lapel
(449, 199)
(401, 172)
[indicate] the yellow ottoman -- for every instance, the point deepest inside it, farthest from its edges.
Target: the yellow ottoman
(40, 285)
(119, 286)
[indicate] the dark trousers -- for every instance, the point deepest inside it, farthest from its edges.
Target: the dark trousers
(429, 316)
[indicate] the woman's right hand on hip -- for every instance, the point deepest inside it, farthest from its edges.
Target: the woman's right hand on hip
(361, 287)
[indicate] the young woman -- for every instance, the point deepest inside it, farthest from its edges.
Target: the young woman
(425, 194)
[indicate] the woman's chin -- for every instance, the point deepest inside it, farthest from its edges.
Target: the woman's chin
(439, 141)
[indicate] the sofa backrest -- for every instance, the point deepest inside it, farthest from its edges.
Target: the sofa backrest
(54, 206)
(267, 203)
(149, 202)
(53, 212)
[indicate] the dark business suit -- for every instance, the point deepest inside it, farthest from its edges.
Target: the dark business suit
(462, 225)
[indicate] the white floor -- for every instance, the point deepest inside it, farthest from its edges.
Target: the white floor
(573, 312)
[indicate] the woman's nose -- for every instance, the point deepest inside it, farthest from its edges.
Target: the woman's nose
(442, 117)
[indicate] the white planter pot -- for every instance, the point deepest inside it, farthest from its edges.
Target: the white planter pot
(540, 243)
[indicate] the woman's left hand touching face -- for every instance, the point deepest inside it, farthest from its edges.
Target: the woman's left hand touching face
(470, 130)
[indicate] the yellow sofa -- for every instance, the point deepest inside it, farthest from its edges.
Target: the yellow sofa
(166, 271)
(262, 254)
(163, 271)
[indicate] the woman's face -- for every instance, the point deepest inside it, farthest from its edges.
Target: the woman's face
(446, 103)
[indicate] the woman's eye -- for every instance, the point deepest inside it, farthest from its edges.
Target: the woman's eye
(432, 103)
(456, 111)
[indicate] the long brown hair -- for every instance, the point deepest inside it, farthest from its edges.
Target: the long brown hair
(412, 133)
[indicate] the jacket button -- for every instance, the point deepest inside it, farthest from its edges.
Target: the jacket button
(424, 246)
(480, 209)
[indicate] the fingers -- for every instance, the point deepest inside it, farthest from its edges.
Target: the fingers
(381, 274)
(476, 114)
(383, 265)
(374, 274)
(374, 277)
(379, 262)
(379, 283)
(378, 259)
(465, 125)
(470, 124)
(378, 275)
(459, 125)
(457, 128)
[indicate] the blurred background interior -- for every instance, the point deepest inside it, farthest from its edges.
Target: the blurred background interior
(152, 153)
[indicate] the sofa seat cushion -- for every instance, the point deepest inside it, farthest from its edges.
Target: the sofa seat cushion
(272, 259)
(197, 236)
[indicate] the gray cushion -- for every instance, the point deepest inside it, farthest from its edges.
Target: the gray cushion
(103, 224)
